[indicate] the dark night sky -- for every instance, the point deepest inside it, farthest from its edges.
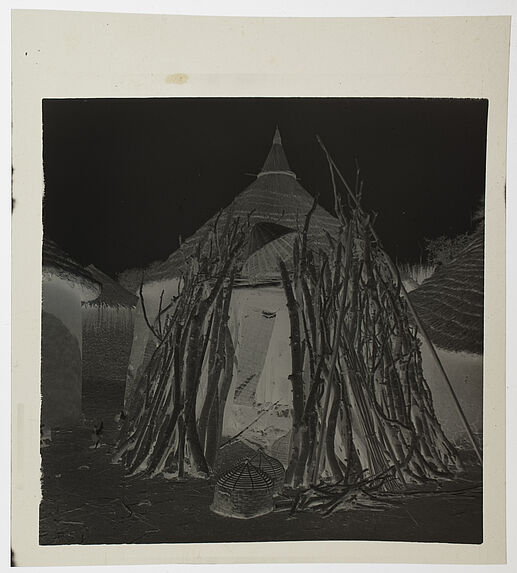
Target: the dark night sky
(125, 177)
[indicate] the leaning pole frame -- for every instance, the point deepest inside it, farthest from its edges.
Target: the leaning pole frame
(419, 323)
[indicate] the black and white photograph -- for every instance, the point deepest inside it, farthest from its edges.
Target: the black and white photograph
(258, 289)
(262, 320)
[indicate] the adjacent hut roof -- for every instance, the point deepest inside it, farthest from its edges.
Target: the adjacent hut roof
(245, 476)
(450, 302)
(262, 264)
(57, 262)
(113, 294)
(276, 204)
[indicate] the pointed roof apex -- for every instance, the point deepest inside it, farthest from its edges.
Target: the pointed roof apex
(276, 162)
(277, 139)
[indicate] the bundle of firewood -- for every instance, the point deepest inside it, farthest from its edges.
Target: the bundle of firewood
(161, 432)
(361, 405)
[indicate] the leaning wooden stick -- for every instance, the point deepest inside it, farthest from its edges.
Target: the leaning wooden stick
(418, 322)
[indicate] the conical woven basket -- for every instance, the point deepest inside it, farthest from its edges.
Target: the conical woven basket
(272, 467)
(243, 492)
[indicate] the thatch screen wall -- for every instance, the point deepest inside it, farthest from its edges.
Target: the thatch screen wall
(108, 330)
(107, 338)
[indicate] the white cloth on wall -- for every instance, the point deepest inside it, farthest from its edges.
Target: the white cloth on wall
(274, 384)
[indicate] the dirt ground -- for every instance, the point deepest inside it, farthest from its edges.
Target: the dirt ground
(88, 500)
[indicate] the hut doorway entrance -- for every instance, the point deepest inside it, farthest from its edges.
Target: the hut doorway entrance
(258, 409)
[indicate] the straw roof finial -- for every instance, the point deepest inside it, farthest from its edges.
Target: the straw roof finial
(277, 138)
(276, 161)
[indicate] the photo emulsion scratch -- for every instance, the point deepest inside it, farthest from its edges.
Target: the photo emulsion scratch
(262, 320)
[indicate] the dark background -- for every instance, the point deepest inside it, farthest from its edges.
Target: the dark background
(125, 177)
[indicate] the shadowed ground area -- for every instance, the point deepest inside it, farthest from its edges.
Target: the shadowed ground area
(87, 500)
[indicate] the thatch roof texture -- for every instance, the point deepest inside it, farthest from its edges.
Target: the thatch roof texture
(113, 294)
(450, 302)
(276, 205)
(57, 262)
(262, 264)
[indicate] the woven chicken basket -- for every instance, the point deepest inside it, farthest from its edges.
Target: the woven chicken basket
(243, 492)
(271, 466)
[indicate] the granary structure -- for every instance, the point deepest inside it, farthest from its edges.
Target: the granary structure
(66, 284)
(276, 204)
(450, 304)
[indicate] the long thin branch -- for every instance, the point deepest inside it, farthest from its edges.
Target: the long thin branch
(141, 292)
(236, 437)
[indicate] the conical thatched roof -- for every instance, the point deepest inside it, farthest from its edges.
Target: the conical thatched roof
(450, 302)
(113, 294)
(262, 264)
(275, 198)
(56, 262)
(264, 233)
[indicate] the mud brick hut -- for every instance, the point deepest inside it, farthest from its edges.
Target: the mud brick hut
(107, 330)
(450, 304)
(66, 284)
(276, 204)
